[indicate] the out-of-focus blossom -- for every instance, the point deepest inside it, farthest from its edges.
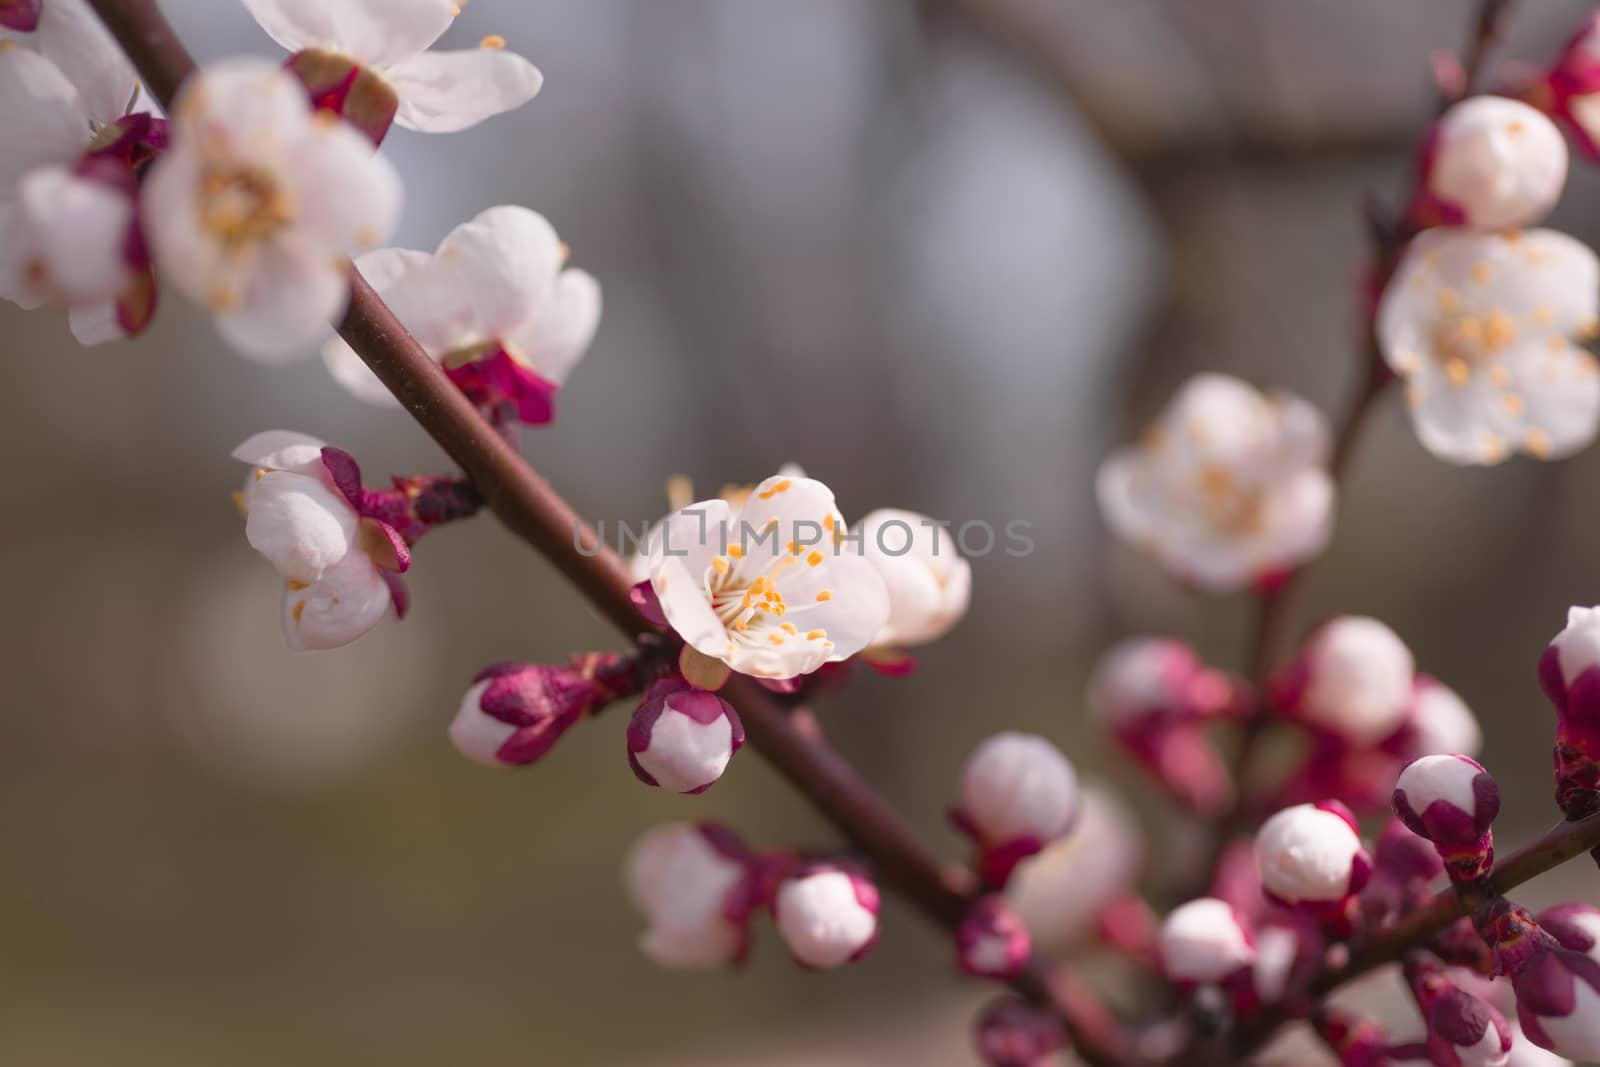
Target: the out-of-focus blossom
(1452, 801)
(697, 886)
(1062, 891)
(369, 60)
(992, 940)
(1011, 1032)
(1353, 680)
(682, 738)
(1155, 696)
(1018, 794)
(827, 914)
(1569, 674)
(254, 207)
(1480, 327)
(1492, 164)
(70, 231)
(1228, 486)
(929, 582)
(1357, 1040)
(765, 587)
(1205, 941)
(515, 712)
(303, 511)
(1439, 722)
(1311, 856)
(1570, 90)
(494, 304)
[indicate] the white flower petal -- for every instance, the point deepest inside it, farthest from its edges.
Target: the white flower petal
(378, 33)
(299, 523)
(348, 196)
(688, 612)
(350, 599)
(505, 262)
(72, 37)
(96, 324)
(285, 304)
(558, 333)
(441, 92)
(283, 450)
(75, 231)
(42, 121)
(928, 582)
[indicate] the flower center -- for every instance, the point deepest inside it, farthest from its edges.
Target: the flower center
(1229, 505)
(1464, 342)
(748, 601)
(241, 206)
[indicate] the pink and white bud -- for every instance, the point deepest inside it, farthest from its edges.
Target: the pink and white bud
(992, 941)
(827, 914)
(1154, 696)
(1570, 90)
(1353, 680)
(1311, 856)
(696, 885)
(515, 712)
(1555, 973)
(1492, 164)
(1018, 794)
(682, 738)
(1204, 942)
(1463, 1030)
(1011, 1032)
(1452, 801)
(1568, 676)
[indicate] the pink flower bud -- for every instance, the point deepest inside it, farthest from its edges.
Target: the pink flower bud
(1205, 941)
(1014, 1033)
(1439, 722)
(515, 712)
(827, 914)
(1352, 680)
(1312, 855)
(697, 886)
(682, 738)
(1018, 794)
(1558, 1002)
(1575, 926)
(1493, 164)
(1154, 696)
(992, 941)
(1452, 801)
(1568, 675)
(1463, 1031)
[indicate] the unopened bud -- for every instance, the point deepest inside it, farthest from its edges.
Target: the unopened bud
(697, 886)
(1452, 801)
(515, 712)
(1493, 164)
(1018, 794)
(1311, 855)
(992, 941)
(682, 738)
(1205, 941)
(1352, 680)
(827, 914)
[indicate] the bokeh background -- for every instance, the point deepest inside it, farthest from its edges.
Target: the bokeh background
(943, 254)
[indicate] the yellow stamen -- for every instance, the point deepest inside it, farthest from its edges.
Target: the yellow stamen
(824, 596)
(816, 635)
(1514, 404)
(1537, 443)
(776, 639)
(299, 609)
(1482, 274)
(790, 628)
(721, 565)
(1458, 370)
(295, 587)
(494, 40)
(736, 552)
(815, 558)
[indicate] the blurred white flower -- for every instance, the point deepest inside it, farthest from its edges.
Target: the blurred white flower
(254, 206)
(1061, 892)
(1494, 164)
(929, 583)
(1226, 487)
(1205, 941)
(71, 36)
(438, 92)
(766, 587)
(1353, 679)
(339, 567)
(692, 884)
(493, 304)
(1480, 327)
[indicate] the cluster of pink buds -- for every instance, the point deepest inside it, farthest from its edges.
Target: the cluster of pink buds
(1569, 673)
(1452, 801)
(1018, 794)
(682, 738)
(700, 886)
(1463, 1030)
(1554, 966)
(340, 546)
(515, 712)
(1312, 859)
(1156, 697)
(1355, 687)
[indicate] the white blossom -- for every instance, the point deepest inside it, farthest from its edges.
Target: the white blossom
(681, 877)
(1227, 486)
(1480, 327)
(826, 916)
(1496, 163)
(439, 92)
(1357, 678)
(496, 289)
(929, 583)
(766, 587)
(256, 203)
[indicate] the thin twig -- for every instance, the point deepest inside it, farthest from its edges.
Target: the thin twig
(532, 510)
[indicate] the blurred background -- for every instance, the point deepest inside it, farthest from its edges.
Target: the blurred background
(944, 255)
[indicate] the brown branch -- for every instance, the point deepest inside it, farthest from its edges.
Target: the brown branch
(529, 507)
